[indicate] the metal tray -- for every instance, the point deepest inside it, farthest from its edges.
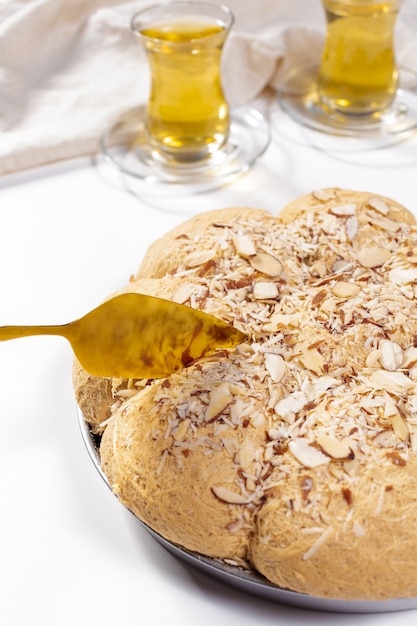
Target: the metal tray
(250, 581)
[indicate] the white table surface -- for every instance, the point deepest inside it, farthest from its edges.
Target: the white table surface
(70, 234)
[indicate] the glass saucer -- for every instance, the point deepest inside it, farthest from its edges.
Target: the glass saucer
(299, 98)
(126, 147)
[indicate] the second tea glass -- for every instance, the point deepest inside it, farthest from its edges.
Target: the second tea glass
(357, 89)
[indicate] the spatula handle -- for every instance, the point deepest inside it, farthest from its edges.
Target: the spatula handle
(15, 332)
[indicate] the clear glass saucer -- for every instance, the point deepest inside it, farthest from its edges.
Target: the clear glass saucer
(298, 97)
(127, 148)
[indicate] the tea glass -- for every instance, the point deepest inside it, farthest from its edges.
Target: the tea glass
(358, 74)
(357, 89)
(185, 137)
(187, 116)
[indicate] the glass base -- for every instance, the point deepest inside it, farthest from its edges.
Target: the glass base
(125, 145)
(299, 98)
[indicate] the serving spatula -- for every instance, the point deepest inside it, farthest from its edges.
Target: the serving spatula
(138, 336)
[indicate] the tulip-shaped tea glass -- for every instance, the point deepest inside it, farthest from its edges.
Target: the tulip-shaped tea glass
(357, 87)
(186, 133)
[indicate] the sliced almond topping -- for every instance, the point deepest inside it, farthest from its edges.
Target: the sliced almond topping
(372, 360)
(199, 257)
(244, 246)
(352, 227)
(231, 497)
(343, 210)
(410, 357)
(265, 291)
(313, 361)
(319, 269)
(343, 289)
(293, 403)
(379, 205)
(319, 297)
(336, 448)
(220, 398)
(317, 544)
(245, 456)
(394, 382)
(402, 276)
(306, 454)
(385, 438)
(384, 222)
(275, 365)
(391, 354)
(399, 427)
(390, 408)
(183, 293)
(282, 320)
(373, 257)
(324, 194)
(266, 264)
(379, 313)
(341, 265)
(180, 431)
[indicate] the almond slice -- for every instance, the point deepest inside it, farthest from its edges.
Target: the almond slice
(183, 293)
(293, 403)
(343, 210)
(394, 382)
(275, 365)
(180, 431)
(313, 361)
(391, 356)
(410, 357)
(379, 205)
(399, 427)
(306, 454)
(336, 448)
(402, 276)
(324, 194)
(244, 246)
(265, 291)
(373, 257)
(231, 497)
(220, 398)
(352, 227)
(383, 222)
(319, 269)
(343, 289)
(199, 257)
(266, 264)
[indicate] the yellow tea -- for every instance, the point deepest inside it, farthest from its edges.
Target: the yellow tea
(187, 114)
(358, 73)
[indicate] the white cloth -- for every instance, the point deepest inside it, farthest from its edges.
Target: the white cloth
(70, 68)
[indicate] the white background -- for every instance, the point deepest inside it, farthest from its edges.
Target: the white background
(70, 234)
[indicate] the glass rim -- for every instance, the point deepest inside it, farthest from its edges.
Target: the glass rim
(364, 2)
(225, 10)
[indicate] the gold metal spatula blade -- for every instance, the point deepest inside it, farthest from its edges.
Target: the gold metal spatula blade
(137, 336)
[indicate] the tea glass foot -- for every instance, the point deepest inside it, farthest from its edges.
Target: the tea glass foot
(298, 96)
(126, 146)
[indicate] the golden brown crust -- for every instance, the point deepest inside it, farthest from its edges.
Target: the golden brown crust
(327, 197)
(93, 396)
(296, 452)
(166, 254)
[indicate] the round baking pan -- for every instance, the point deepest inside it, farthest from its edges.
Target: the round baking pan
(250, 581)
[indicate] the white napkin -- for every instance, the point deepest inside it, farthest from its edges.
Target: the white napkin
(71, 68)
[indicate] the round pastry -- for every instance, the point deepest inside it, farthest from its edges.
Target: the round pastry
(295, 453)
